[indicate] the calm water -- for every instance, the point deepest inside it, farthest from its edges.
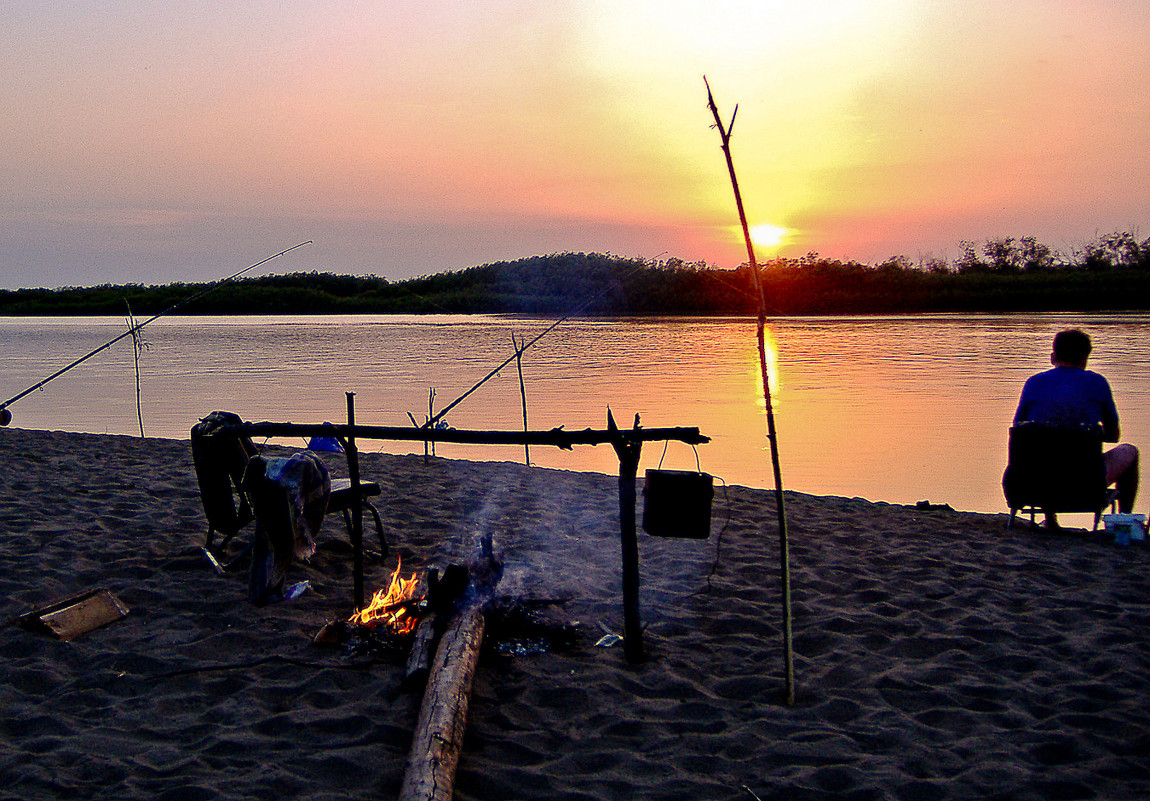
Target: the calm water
(898, 409)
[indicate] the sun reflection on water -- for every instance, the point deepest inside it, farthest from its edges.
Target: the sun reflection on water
(771, 349)
(755, 372)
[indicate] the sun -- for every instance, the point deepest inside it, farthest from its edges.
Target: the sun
(767, 235)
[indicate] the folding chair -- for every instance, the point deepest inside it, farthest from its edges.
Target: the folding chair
(1056, 470)
(220, 462)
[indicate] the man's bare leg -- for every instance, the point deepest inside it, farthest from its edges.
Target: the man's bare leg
(1122, 469)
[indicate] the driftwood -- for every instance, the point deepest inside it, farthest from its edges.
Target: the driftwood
(438, 738)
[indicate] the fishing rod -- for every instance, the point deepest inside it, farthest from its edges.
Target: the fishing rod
(6, 416)
(431, 421)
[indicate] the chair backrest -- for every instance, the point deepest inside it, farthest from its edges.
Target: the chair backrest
(1057, 469)
(220, 462)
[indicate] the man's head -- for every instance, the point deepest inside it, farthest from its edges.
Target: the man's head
(1071, 348)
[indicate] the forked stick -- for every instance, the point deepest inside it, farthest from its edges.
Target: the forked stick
(784, 556)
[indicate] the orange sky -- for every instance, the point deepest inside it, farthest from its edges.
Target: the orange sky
(155, 141)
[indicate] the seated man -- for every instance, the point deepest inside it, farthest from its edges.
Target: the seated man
(1069, 395)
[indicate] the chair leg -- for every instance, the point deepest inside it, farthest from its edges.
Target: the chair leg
(211, 550)
(378, 526)
(212, 531)
(238, 560)
(378, 529)
(1112, 503)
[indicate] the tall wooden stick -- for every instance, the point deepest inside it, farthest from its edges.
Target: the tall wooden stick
(519, 348)
(138, 344)
(772, 435)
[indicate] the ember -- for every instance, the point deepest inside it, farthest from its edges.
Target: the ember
(394, 607)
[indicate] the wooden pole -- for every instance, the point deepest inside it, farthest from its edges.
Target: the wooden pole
(772, 436)
(628, 453)
(522, 395)
(356, 506)
(557, 437)
(137, 344)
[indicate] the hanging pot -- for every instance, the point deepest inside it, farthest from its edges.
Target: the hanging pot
(677, 503)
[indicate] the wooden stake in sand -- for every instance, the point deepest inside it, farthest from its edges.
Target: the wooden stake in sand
(138, 344)
(519, 348)
(356, 504)
(628, 451)
(784, 547)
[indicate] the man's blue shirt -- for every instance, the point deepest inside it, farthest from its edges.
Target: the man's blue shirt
(1068, 397)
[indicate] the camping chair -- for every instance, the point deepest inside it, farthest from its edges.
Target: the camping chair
(1056, 470)
(220, 463)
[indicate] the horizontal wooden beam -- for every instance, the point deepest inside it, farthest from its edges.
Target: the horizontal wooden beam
(557, 437)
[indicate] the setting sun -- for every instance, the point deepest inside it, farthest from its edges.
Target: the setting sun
(767, 235)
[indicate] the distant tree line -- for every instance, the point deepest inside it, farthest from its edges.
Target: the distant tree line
(1112, 273)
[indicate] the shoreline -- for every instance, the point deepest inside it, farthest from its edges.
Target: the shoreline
(938, 655)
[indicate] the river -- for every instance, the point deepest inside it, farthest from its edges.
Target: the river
(897, 409)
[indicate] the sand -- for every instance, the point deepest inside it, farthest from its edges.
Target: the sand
(938, 655)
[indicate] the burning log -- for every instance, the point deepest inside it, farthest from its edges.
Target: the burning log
(392, 607)
(443, 592)
(386, 622)
(422, 652)
(438, 736)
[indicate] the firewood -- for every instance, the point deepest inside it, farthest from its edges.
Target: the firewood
(422, 652)
(438, 738)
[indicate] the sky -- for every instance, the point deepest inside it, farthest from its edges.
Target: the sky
(150, 142)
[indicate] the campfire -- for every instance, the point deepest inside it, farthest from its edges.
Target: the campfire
(395, 607)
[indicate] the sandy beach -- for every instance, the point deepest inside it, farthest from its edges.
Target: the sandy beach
(938, 655)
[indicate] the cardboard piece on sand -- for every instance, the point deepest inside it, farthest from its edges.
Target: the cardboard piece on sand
(69, 618)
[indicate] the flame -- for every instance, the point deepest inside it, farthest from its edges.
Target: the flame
(391, 607)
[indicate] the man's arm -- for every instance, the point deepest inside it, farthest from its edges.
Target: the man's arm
(1110, 430)
(1023, 401)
